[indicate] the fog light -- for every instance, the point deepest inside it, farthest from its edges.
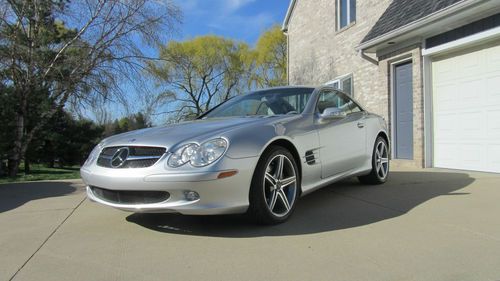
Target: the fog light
(191, 195)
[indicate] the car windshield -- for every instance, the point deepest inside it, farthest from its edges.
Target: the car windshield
(264, 103)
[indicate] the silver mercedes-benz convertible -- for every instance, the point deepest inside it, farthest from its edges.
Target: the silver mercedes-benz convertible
(255, 153)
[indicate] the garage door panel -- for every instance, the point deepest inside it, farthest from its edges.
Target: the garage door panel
(446, 97)
(492, 57)
(493, 124)
(469, 64)
(445, 154)
(466, 111)
(444, 70)
(492, 90)
(470, 125)
(466, 95)
(470, 154)
(445, 126)
(492, 153)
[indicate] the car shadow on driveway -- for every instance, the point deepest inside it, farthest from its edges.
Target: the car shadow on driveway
(15, 195)
(341, 205)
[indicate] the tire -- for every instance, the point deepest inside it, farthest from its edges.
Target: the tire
(380, 164)
(273, 194)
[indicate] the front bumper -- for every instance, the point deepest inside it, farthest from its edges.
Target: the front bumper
(216, 196)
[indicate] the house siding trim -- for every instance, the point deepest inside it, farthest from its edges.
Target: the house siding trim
(387, 63)
(422, 22)
(470, 40)
(463, 31)
(288, 15)
(407, 58)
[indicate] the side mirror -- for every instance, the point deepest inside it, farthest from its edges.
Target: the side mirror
(332, 113)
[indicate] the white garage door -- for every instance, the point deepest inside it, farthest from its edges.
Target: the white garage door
(466, 106)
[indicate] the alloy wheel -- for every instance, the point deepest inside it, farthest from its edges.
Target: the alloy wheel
(280, 185)
(381, 160)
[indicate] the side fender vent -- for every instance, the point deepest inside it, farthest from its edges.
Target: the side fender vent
(310, 158)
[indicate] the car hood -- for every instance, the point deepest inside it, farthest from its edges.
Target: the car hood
(196, 131)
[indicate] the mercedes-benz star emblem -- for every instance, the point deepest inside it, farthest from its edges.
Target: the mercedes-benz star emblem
(119, 157)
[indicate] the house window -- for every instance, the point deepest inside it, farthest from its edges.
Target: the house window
(343, 83)
(346, 12)
(337, 100)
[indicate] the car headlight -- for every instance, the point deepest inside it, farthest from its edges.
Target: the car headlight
(93, 155)
(182, 155)
(198, 155)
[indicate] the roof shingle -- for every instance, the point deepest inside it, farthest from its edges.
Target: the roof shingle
(402, 12)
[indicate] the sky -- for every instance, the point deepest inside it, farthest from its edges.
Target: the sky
(243, 20)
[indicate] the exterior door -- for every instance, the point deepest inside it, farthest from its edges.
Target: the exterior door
(403, 111)
(342, 141)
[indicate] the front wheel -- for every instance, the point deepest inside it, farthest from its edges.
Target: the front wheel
(275, 187)
(380, 164)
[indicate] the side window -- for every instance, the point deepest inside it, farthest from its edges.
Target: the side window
(337, 100)
(346, 13)
(344, 83)
(347, 85)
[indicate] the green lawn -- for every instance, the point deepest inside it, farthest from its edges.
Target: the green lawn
(41, 172)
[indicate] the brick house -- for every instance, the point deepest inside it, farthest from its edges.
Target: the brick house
(430, 67)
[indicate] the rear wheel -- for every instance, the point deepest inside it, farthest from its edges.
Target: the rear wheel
(380, 164)
(275, 187)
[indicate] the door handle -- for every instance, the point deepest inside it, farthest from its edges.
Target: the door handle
(361, 124)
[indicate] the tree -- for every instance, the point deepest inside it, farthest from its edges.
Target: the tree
(6, 125)
(72, 51)
(65, 139)
(139, 121)
(198, 73)
(133, 122)
(271, 59)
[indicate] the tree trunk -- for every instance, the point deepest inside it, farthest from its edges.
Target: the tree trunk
(12, 167)
(51, 161)
(27, 169)
(23, 138)
(20, 142)
(15, 156)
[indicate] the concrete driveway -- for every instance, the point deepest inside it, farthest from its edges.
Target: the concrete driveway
(421, 225)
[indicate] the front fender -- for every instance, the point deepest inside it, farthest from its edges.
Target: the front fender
(250, 142)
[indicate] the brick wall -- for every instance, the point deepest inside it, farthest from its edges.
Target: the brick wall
(319, 53)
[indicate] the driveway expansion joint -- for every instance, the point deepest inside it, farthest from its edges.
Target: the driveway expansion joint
(47, 239)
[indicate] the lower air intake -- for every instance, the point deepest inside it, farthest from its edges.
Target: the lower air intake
(130, 197)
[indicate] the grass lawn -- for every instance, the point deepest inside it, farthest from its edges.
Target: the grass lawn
(41, 172)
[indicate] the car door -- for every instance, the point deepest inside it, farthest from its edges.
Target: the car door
(343, 138)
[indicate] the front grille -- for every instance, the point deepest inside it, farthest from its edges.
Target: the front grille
(130, 197)
(136, 156)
